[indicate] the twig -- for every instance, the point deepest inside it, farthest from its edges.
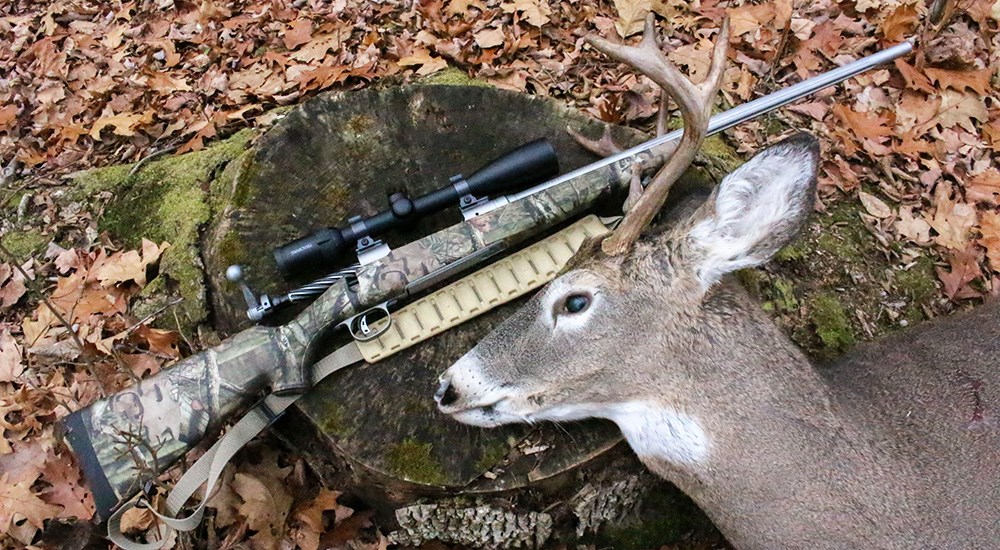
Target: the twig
(177, 322)
(779, 53)
(146, 159)
(152, 315)
(12, 259)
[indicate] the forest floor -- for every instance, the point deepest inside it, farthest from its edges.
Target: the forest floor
(909, 154)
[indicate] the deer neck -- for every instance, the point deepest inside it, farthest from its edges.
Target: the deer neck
(762, 441)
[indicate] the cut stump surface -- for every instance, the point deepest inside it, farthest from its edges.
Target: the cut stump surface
(341, 155)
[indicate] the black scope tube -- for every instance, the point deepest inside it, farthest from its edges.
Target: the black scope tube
(323, 250)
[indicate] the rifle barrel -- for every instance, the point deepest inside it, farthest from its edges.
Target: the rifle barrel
(746, 111)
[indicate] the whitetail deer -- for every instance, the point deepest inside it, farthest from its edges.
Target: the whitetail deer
(896, 446)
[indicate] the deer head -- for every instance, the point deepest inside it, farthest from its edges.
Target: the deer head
(637, 322)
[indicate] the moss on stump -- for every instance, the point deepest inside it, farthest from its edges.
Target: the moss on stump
(166, 200)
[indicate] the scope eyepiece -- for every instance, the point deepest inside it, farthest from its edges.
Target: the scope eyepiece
(323, 247)
(322, 250)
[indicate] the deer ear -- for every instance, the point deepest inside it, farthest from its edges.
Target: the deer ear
(757, 209)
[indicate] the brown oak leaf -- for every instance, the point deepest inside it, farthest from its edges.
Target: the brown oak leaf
(977, 81)
(952, 219)
(964, 268)
(984, 187)
(18, 501)
(11, 365)
(989, 227)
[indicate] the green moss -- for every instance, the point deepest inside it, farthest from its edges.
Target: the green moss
(15, 200)
(784, 295)
(493, 454)
(89, 183)
(414, 461)
(793, 251)
(25, 244)
(452, 76)
(333, 421)
(837, 246)
(919, 285)
(719, 155)
(833, 327)
(754, 280)
(167, 200)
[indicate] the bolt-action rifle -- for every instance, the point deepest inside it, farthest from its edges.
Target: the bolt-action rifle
(125, 439)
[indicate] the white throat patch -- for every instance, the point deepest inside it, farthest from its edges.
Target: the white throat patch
(661, 432)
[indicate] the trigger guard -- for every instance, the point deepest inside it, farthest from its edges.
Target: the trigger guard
(363, 320)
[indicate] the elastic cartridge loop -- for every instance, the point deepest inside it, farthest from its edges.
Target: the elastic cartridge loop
(494, 285)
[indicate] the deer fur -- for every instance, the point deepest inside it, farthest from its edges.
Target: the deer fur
(895, 446)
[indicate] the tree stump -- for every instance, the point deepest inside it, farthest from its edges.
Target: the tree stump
(374, 430)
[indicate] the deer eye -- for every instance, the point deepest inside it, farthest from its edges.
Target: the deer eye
(575, 303)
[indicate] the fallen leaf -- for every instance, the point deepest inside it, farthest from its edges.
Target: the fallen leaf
(309, 518)
(141, 364)
(750, 18)
(989, 227)
(899, 25)
(915, 79)
(266, 504)
(122, 125)
(984, 187)
(120, 267)
(11, 365)
(137, 520)
(67, 260)
(952, 220)
(428, 65)
(299, 32)
(913, 228)
(67, 487)
(462, 7)
(977, 81)
(18, 501)
(696, 57)
(535, 12)
(489, 38)
(12, 286)
(815, 109)
(317, 48)
(961, 109)
(161, 342)
(864, 125)
(631, 16)
(964, 268)
(166, 83)
(874, 205)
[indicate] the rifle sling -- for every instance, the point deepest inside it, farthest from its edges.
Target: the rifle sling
(452, 305)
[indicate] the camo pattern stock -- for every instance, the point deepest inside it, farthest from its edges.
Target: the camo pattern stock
(126, 439)
(129, 438)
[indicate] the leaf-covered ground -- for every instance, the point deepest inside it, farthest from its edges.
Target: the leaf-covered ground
(86, 83)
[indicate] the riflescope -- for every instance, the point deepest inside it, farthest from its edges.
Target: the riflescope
(323, 250)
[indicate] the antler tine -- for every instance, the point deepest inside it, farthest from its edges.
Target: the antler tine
(695, 102)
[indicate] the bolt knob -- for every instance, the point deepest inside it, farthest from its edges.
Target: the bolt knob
(234, 273)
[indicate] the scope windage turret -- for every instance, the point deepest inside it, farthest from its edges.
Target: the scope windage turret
(322, 250)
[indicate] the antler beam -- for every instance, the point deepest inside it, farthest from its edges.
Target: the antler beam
(695, 102)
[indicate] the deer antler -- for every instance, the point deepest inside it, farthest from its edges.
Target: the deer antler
(695, 102)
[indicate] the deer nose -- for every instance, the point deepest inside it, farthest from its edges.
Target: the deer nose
(445, 394)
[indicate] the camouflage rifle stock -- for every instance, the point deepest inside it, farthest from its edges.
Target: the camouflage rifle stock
(128, 438)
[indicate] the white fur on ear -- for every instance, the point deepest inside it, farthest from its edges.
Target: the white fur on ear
(758, 208)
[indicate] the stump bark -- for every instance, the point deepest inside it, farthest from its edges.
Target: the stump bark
(374, 430)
